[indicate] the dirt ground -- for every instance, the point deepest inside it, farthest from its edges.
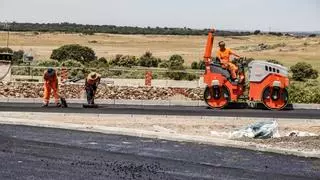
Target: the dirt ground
(301, 143)
(212, 127)
(288, 50)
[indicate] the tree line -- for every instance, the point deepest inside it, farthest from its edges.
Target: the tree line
(91, 29)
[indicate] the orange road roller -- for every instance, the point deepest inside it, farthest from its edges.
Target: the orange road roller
(268, 82)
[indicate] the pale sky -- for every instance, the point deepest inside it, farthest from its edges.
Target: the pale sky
(279, 15)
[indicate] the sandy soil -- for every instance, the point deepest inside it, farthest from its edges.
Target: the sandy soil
(301, 143)
(191, 47)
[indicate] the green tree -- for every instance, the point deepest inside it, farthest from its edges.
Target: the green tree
(76, 52)
(302, 71)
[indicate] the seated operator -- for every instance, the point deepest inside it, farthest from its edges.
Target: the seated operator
(224, 55)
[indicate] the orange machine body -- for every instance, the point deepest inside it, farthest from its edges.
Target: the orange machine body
(235, 91)
(267, 82)
(256, 88)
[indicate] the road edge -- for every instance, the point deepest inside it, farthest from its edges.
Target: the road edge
(159, 135)
(146, 102)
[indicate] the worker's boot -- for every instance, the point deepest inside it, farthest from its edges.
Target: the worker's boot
(44, 105)
(58, 105)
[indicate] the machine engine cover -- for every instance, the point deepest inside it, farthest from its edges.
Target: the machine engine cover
(259, 70)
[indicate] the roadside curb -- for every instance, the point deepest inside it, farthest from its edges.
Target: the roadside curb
(146, 102)
(158, 135)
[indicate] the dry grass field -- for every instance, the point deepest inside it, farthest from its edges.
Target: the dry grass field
(288, 50)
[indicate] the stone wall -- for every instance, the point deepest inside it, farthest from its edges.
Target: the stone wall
(74, 91)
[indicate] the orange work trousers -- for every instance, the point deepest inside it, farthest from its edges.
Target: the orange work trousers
(232, 68)
(48, 86)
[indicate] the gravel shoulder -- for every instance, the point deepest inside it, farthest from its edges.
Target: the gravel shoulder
(211, 127)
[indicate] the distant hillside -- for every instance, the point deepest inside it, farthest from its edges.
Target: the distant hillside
(91, 29)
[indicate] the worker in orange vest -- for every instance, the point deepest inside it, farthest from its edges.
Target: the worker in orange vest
(91, 85)
(224, 55)
(50, 83)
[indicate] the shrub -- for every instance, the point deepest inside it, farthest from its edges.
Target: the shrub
(72, 64)
(74, 67)
(176, 69)
(17, 57)
(300, 92)
(176, 62)
(76, 52)
(164, 64)
(45, 64)
(176, 75)
(194, 65)
(202, 65)
(115, 61)
(128, 61)
(302, 71)
(148, 60)
(198, 65)
(99, 63)
(191, 77)
(125, 61)
(48, 63)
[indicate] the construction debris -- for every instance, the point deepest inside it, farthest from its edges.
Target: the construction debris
(301, 134)
(259, 130)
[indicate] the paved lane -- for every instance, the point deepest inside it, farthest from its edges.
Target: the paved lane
(44, 153)
(164, 110)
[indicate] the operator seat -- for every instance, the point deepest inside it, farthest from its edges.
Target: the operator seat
(216, 67)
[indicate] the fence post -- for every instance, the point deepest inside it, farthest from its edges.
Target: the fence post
(148, 78)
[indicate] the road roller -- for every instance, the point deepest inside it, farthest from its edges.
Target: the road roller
(265, 82)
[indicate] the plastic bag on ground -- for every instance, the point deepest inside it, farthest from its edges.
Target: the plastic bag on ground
(259, 130)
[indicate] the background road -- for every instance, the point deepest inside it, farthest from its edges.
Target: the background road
(43, 153)
(164, 110)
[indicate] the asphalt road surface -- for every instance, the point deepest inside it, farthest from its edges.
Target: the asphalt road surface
(164, 110)
(45, 153)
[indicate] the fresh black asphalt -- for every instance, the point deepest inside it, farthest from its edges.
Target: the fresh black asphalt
(44, 153)
(164, 110)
